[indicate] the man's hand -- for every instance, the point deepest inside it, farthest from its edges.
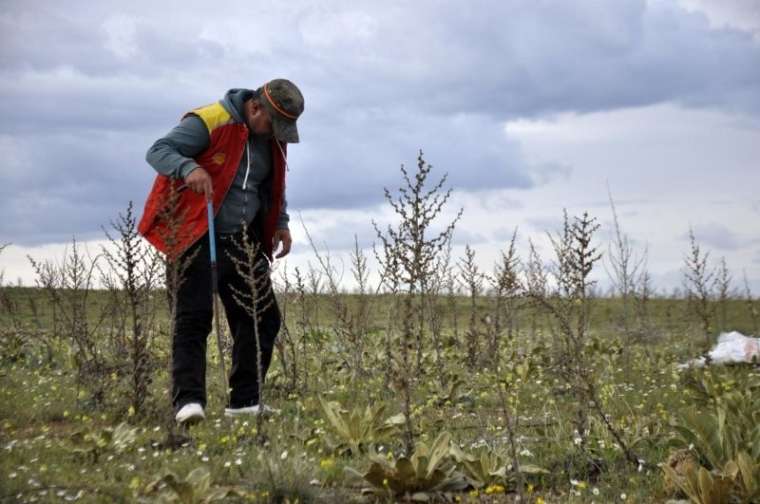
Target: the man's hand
(200, 181)
(281, 236)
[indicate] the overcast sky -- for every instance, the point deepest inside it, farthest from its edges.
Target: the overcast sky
(530, 107)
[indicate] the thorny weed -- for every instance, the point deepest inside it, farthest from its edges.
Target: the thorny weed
(699, 280)
(68, 286)
(567, 301)
(408, 257)
(133, 273)
(472, 279)
(625, 267)
(258, 297)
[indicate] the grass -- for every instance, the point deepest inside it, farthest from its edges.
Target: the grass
(42, 409)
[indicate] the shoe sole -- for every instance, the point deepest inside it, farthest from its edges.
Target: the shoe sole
(191, 420)
(237, 414)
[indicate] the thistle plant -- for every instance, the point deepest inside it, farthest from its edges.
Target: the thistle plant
(699, 279)
(439, 305)
(175, 264)
(751, 305)
(68, 287)
(286, 343)
(506, 286)
(471, 279)
(303, 324)
(94, 444)
(408, 257)
(642, 297)
(625, 266)
(133, 271)
(257, 297)
(567, 301)
(430, 473)
(350, 325)
(723, 286)
(360, 428)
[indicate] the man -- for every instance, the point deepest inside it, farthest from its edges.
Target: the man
(232, 153)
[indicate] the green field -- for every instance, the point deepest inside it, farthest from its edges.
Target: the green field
(70, 439)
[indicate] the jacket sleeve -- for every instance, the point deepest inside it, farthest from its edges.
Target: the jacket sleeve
(173, 154)
(284, 218)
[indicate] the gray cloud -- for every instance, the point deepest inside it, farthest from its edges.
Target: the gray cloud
(85, 88)
(546, 224)
(719, 236)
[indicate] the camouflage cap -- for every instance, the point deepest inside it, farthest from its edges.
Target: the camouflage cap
(284, 102)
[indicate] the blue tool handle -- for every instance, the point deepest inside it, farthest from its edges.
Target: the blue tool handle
(211, 233)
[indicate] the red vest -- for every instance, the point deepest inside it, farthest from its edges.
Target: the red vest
(221, 160)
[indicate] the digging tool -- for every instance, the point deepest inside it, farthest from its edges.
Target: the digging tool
(215, 296)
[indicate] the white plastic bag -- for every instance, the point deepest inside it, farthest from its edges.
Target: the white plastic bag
(732, 347)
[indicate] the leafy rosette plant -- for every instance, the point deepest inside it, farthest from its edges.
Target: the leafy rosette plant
(725, 436)
(359, 428)
(195, 488)
(428, 473)
(118, 439)
(487, 468)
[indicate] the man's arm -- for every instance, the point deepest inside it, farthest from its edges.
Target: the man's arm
(282, 233)
(173, 154)
(284, 218)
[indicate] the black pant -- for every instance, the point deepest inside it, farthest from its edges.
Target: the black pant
(193, 325)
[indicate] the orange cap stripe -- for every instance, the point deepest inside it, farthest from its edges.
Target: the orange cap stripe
(276, 106)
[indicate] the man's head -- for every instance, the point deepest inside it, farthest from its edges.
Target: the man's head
(275, 110)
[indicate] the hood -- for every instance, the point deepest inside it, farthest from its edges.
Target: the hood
(233, 101)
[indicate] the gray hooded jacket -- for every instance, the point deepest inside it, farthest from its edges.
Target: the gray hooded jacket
(173, 156)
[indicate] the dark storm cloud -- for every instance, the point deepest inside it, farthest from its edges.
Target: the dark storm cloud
(86, 87)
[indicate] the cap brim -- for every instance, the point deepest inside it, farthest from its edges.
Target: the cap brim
(284, 130)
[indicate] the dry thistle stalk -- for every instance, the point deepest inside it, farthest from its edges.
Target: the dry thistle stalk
(472, 281)
(437, 309)
(506, 286)
(136, 271)
(349, 327)
(68, 287)
(175, 266)
(303, 325)
(285, 343)
(699, 279)
(642, 297)
(408, 258)
(624, 268)
(751, 304)
(567, 301)
(391, 282)
(723, 285)
(253, 268)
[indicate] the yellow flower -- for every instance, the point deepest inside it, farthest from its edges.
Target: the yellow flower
(540, 500)
(494, 489)
(327, 464)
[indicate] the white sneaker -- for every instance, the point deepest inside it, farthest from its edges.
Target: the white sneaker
(255, 410)
(190, 413)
